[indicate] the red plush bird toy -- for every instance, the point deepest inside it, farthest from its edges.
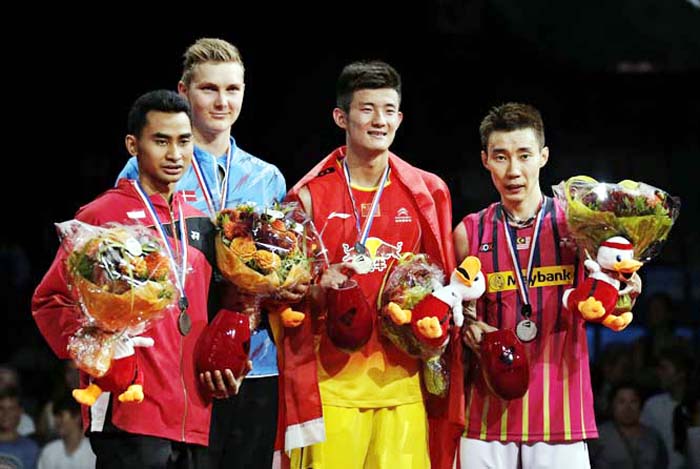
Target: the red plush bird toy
(610, 276)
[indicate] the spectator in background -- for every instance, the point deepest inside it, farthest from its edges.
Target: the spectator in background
(686, 424)
(9, 378)
(673, 370)
(623, 442)
(613, 368)
(14, 448)
(660, 323)
(72, 450)
(68, 380)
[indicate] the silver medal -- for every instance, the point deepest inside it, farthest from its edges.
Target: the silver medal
(526, 330)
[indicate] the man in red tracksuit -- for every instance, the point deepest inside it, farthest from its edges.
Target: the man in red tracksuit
(170, 428)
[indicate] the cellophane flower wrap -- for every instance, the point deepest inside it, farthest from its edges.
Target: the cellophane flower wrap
(265, 251)
(413, 278)
(122, 280)
(596, 211)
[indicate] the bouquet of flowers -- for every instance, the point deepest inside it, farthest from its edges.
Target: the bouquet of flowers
(619, 227)
(122, 282)
(596, 211)
(413, 278)
(267, 253)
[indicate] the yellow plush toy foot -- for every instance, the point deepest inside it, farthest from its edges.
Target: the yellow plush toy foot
(398, 316)
(291, 318)
(133, 393)
(591, 309)
(617, 323)
(429, 327)
(87, 396)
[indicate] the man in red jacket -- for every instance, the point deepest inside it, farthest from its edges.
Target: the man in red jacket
(370, 207)
(171, 425)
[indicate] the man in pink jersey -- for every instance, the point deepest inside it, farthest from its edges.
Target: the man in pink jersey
(523, 233)
(370, 207)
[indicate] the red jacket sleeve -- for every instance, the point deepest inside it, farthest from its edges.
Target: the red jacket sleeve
(55, 311)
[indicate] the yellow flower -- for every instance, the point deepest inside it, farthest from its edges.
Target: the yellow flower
(267, 261)
(243, 247)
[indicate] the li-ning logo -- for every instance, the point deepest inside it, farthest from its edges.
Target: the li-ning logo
(342, 216)
(402, 216)
(194, 235)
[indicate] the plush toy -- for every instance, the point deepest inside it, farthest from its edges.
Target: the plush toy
(429, 319)
(611, 277)
(124, 375)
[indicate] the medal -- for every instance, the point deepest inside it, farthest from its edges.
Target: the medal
(526, 330)
(362, 261)
(184, 323)
(361, 264)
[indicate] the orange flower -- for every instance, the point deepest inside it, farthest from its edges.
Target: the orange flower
(279, 225)
(267, 261)
(229, 228)
(158, 266)
(243, 247)
(292, 237)
(139, 266)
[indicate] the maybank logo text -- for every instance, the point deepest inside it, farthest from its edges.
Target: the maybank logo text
(541, 277)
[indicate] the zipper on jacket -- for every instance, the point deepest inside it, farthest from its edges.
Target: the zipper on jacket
(182, 245)
(184, 389)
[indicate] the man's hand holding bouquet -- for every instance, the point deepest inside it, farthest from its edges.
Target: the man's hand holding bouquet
(123, 282)
(618, 227)
(271, 256)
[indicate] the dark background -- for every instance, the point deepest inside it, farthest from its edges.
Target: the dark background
(617, 83)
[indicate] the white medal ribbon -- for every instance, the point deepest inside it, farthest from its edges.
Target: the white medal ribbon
(206, 190)
(182, 269)
(364, 232)
(526, 329)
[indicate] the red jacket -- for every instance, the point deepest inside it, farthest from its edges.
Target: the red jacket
(173, 407)
(300, 397)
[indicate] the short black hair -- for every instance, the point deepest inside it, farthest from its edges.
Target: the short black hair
(10, 392)
(509, 117)
(66, 402)
(363, 75)
(679, 355)
(158, 100)
(626, 384)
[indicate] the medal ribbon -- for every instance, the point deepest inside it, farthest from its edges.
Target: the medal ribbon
(364, 232)
(206, 190)
(182, 270)
(523, 285)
